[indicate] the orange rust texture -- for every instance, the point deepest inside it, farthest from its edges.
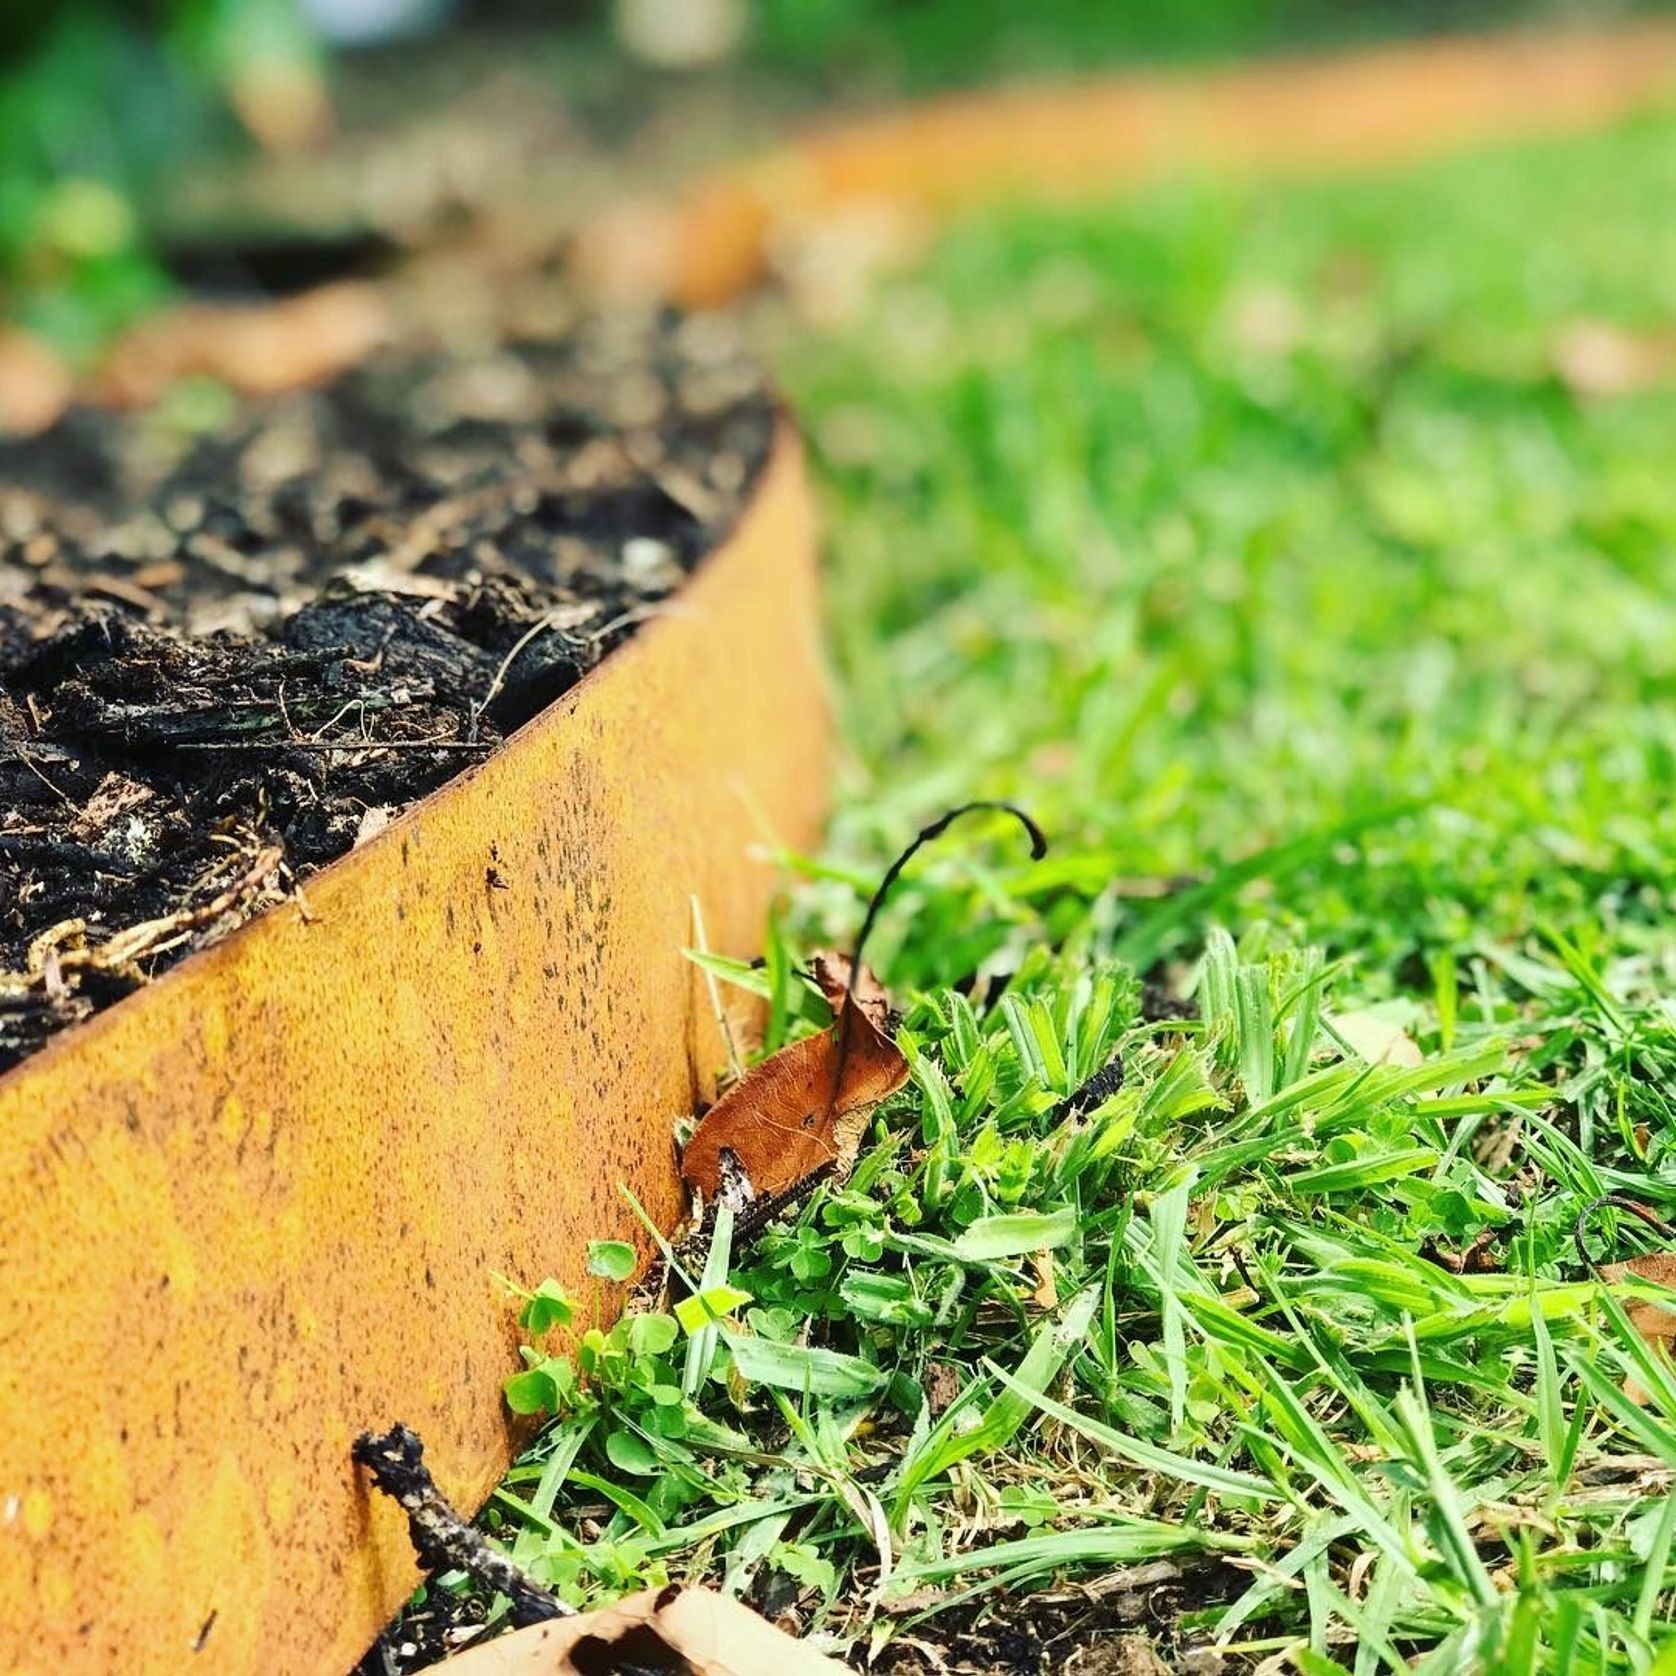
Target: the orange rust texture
(1321, 113)
(261, 1205)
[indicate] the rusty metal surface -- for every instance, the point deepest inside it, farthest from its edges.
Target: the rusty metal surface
(261, 1204)
(1322, 113)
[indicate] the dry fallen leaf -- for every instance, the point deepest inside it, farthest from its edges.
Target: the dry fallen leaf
(1655, 1322)
(1596, 358)
(1376, 1039)
(832, 971)
(671, 1629)
(1046, 1294)
(258, 348)
(35, 384)
(804, 1107)
(942, 1386)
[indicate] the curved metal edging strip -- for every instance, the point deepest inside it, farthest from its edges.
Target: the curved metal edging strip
(1324, 112)
(262, 1203)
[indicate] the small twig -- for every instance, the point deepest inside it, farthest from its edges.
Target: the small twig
(1476, 1258)
(1617, 1201)
(636, 614)
(735, 1066)
(1038, 849)
(148, 938)
(547, 620)
(1087, 1095)
(331, 721)
(441, 1538)
(28, 761)
(769, 1208)
(477, 745)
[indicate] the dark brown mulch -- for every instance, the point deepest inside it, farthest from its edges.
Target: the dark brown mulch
(227, 658)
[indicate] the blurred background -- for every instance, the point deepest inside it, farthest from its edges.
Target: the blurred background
(258, 148)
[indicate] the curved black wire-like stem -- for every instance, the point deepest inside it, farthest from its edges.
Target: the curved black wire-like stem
(926, 835)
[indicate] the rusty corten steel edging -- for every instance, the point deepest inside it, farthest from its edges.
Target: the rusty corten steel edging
(1323, 112)
(262, 1203)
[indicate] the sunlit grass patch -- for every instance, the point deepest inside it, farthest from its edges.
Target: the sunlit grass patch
(1279, 551)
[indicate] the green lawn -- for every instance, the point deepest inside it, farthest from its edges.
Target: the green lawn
(1249, 539)
(912, 45)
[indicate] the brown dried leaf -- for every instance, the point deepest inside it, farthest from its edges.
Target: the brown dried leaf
(259, 349)
(1654, 1321)
(942, 1386)
(804, 1107)
(1596, 358)
(1046, 1293)
(35, 384)
(714, 1635)
(831, 971)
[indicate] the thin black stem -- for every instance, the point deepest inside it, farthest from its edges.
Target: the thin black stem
(1038, 848)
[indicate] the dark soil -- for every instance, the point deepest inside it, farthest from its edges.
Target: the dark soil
(1126, 1622)
(227, 658)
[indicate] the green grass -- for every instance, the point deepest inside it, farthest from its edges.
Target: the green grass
(1251, 541)
(935, 43)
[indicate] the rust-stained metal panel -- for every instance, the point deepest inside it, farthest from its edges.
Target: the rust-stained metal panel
(261, 1204)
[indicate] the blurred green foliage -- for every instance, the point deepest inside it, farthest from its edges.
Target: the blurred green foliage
(1278, 504)
(86, 112)
(919, 44)
(96, 101)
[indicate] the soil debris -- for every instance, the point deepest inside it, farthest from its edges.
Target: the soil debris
(673, 1629)
(1123, 1623)
(230, 651)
